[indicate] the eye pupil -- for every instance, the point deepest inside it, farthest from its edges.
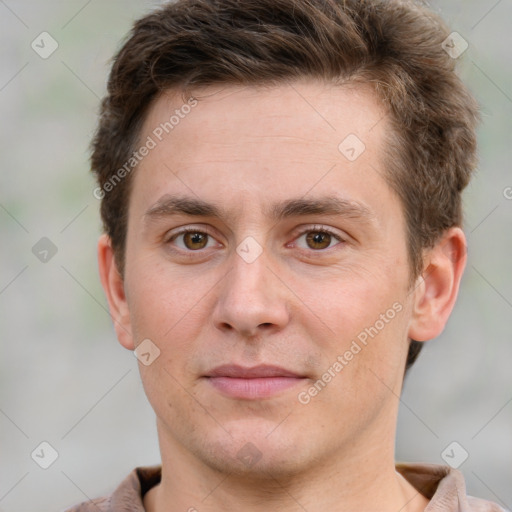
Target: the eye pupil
(318, 239)
(195, 240)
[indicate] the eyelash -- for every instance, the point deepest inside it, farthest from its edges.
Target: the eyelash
(320, 229)
(186, 230)
(310, 229)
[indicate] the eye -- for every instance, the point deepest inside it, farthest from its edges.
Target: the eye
(192, 239)
(318, 239)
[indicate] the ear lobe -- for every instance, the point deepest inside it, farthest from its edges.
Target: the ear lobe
(438, 286)
(113, 285)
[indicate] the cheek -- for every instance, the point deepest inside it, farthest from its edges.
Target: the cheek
(167, 312)
(377, 354)
(170, 310)
(163, 302)
(350, 301)
(367, 319)
(369, 381)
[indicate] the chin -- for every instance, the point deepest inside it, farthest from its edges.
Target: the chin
(252, 463)
(250, 451)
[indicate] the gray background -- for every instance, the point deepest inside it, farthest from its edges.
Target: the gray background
(64, 377)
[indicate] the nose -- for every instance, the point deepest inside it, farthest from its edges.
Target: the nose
(252, 300)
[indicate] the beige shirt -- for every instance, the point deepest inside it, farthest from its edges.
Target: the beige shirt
(442, 485)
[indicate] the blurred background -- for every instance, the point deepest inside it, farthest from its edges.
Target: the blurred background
(64, 379)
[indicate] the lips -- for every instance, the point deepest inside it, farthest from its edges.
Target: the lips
(256, 372)
(258, 382)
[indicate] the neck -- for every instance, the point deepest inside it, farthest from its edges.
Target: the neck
(363, 477)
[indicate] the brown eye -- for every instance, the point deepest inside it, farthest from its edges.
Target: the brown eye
(192, 240)
(318, 240)
(195, 240)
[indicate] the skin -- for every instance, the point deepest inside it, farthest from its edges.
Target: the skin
(297, 305)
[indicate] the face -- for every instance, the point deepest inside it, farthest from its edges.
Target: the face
(266, 260)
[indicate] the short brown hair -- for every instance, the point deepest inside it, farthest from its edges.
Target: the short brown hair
(395, 46)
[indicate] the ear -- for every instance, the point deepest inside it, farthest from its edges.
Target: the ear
(113, 285)
(437, 288)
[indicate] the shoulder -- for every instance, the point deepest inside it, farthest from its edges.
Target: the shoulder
(97, 505)
(127, 496)
(478, 505)
(445, 488)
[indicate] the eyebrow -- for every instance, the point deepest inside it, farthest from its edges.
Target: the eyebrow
(169, 205)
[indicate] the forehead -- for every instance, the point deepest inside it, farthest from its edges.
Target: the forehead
(233, 142)
(317, 111)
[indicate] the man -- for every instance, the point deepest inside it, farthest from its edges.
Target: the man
(281, 194)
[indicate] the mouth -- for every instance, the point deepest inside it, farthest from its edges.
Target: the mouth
(258, 382)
